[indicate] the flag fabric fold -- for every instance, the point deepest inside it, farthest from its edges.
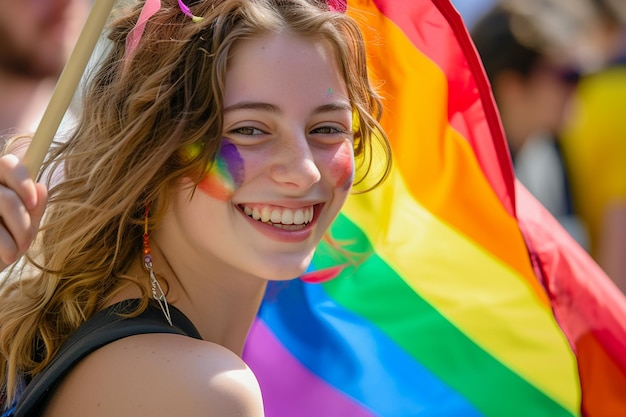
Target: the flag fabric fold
(464, 298)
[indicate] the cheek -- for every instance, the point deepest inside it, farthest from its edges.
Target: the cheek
(341, 167)
(226, 174)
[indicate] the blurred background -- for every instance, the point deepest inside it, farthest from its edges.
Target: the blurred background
(36, 39)
(558, 74)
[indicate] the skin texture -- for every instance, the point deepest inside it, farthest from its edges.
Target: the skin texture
(201, 377)
(291, 149)
(343, 168)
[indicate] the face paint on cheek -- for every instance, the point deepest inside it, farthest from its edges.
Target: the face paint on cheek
(342, 167)
(226, 174)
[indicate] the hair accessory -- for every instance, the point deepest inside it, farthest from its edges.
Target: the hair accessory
(157, 292)
(185, 9)
(148, 10)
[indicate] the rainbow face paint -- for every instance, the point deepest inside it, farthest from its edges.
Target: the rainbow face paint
(342, 167)
(226, 174)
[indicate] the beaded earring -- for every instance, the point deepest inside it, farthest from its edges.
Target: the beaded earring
(157, 292)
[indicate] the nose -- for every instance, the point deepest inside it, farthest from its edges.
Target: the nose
(294, 165)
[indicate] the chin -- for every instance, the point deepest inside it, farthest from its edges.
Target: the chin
(282, 275)
(280, 272)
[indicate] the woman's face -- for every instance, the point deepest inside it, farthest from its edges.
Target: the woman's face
(285, 167)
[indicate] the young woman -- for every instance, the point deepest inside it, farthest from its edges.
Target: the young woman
(216, 146)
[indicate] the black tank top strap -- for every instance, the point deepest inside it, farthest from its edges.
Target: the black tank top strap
(99, 330)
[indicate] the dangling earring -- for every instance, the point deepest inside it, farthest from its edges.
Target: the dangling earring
(157, 291)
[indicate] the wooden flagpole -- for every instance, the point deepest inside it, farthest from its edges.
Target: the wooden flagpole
(67, 85)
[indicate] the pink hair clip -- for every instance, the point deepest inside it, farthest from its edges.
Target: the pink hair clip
(186, 10)
(150, 7)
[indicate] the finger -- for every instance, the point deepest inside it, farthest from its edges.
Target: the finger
(42, 200)
(16, 219)
(14, 175)
(36, 214)
(9, 251)
(16, 238)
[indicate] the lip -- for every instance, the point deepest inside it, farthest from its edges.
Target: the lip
(283, 235)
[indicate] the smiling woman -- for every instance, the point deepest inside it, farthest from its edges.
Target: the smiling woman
(216, 147)
(283, 153)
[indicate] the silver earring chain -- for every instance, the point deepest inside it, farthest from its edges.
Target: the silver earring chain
(157, 292)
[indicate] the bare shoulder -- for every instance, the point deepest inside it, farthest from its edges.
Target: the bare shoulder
(159, 375)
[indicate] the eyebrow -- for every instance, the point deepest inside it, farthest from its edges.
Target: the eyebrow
(271, 108)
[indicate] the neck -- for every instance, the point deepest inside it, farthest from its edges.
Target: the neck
(222, 306)
(226, 318)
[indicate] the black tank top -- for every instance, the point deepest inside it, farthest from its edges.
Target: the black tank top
(99, 330)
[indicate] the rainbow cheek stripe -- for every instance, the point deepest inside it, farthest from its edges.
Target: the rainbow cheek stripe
(226, 174)
(342, 167)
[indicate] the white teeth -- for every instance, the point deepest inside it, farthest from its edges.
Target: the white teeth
(298, 217)
(277, 217)
(265, 215)
(307, 215)
(288, 226)
(287, 217)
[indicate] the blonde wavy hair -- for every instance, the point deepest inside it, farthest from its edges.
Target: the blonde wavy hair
(139, 115)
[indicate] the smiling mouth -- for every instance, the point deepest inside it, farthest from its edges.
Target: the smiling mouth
(281, 217)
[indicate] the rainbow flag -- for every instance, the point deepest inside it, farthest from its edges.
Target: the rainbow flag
(468, 299)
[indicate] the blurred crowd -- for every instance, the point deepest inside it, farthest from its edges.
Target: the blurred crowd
(557, 70)
(36, 39)
(558, 74)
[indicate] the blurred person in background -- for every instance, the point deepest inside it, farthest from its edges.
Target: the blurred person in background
(36, 39)
(533, 81)
(594, 143)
